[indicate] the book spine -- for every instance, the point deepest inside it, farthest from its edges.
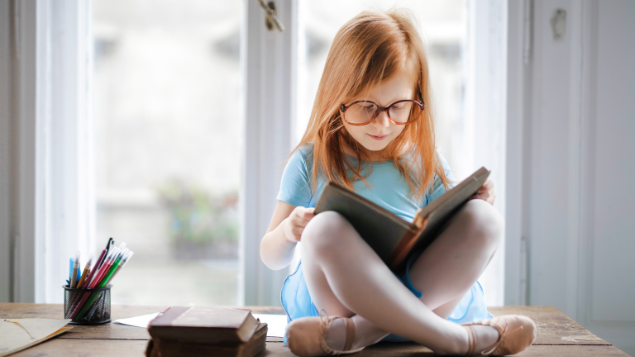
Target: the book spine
(399, 255)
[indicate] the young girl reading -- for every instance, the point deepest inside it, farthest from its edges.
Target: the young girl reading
(372, 130)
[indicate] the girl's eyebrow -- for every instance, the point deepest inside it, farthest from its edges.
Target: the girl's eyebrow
(365, 99)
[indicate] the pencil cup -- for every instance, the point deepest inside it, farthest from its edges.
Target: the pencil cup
(87, 306)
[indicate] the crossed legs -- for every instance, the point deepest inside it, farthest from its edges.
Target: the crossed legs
(347, 278)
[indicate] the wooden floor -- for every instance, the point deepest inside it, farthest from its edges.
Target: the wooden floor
(558, 335)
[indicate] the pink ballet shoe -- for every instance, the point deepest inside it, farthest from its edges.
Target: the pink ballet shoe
(306, 336)
(516, 333)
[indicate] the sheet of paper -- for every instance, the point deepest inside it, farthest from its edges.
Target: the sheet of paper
(139, 321)
(276, 324)
(18, 334)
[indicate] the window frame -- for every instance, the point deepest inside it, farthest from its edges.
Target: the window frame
(269, 63)
(51, 214)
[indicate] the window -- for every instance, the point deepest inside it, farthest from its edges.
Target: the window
(166, 98)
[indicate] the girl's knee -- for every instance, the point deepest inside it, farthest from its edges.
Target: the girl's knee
(324, 230)
(484, 223)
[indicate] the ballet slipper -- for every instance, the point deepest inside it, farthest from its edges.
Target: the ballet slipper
(306, 336)
(516, 333)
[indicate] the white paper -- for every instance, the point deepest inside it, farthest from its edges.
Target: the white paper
(276, 324)
(138, 321)
(19, 334)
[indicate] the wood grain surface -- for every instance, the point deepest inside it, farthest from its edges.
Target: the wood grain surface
(558, 334)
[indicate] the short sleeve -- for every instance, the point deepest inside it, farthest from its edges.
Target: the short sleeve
(438, 189)
(295, 186)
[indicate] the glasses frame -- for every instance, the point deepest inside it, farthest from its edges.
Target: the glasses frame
(344, 108)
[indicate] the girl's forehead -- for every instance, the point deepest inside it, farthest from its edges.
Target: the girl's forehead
(399, 86)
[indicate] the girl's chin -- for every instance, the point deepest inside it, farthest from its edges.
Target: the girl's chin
(375, 146)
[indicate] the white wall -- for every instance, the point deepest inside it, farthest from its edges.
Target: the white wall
(578, 155)
(5, 151)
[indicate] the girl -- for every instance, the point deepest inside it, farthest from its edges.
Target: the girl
(372, 130)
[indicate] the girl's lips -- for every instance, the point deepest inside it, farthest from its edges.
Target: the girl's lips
(376, 137)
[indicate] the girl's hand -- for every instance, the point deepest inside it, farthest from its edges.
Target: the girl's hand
(486, 192)
(296, 222)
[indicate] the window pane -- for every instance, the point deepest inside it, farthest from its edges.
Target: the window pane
(167, 133)
(443, 27)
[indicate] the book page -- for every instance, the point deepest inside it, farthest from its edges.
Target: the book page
(18, 334)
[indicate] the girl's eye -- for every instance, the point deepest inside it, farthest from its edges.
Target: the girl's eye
(398, 107)
(368, 107)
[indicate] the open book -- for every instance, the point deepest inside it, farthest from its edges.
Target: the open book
(390, 236)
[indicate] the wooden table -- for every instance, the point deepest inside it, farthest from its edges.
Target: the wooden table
(558, 335)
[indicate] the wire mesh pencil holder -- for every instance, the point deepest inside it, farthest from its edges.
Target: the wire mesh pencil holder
(87, 306)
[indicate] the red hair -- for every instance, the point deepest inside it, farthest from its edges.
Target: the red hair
(372, 47)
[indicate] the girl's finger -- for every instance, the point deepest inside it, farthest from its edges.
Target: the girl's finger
(300, 222)
(308, 214)
(297, 232)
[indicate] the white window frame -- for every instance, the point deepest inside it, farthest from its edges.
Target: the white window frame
(50, 213)
(270, 64)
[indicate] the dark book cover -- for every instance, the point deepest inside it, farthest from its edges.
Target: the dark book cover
(390, 236)
(204, 324)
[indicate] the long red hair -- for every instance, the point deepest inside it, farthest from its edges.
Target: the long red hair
(370, 48)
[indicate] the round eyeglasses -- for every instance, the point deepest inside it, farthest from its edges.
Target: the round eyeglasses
(363, 112)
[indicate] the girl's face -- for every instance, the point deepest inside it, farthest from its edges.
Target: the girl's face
(381, 131)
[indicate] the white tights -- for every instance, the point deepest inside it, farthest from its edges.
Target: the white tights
(345, 277)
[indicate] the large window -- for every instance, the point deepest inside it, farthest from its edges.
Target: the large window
(167, 143)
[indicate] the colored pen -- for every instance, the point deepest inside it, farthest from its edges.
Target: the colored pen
(96, 267)
(86, 271)
(110, 244)
(98, 270)
(104, 268)
(125, 261)
(71, 262)
(75, 271)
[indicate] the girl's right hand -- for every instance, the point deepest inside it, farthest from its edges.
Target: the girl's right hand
(298, 219)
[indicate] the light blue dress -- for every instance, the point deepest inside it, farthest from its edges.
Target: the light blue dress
(389, 189)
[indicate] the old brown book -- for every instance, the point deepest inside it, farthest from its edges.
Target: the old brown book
(390, 236)
(204, 324)
(158, 347)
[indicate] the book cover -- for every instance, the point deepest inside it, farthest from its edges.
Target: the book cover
(390, 236)
(204, 324)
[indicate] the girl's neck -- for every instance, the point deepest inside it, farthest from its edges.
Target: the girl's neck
(372, 156)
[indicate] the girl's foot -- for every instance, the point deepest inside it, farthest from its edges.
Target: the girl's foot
(515, 334)
(309, 336)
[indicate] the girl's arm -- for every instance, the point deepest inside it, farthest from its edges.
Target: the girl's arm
(284, 232)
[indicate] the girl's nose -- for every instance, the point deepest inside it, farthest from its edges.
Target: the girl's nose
(382, 120)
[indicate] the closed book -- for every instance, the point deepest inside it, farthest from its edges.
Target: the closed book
(158, 347)
(204, 324)
(393, 238)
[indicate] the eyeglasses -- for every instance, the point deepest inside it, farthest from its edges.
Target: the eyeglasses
(363, 112)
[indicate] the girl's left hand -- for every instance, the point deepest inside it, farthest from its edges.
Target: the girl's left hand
(486, 192)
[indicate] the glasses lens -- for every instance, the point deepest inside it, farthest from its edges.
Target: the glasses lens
(360, 113)
(401, 112)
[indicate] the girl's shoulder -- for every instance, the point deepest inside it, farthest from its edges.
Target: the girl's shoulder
(301, 157)
(295, 187)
